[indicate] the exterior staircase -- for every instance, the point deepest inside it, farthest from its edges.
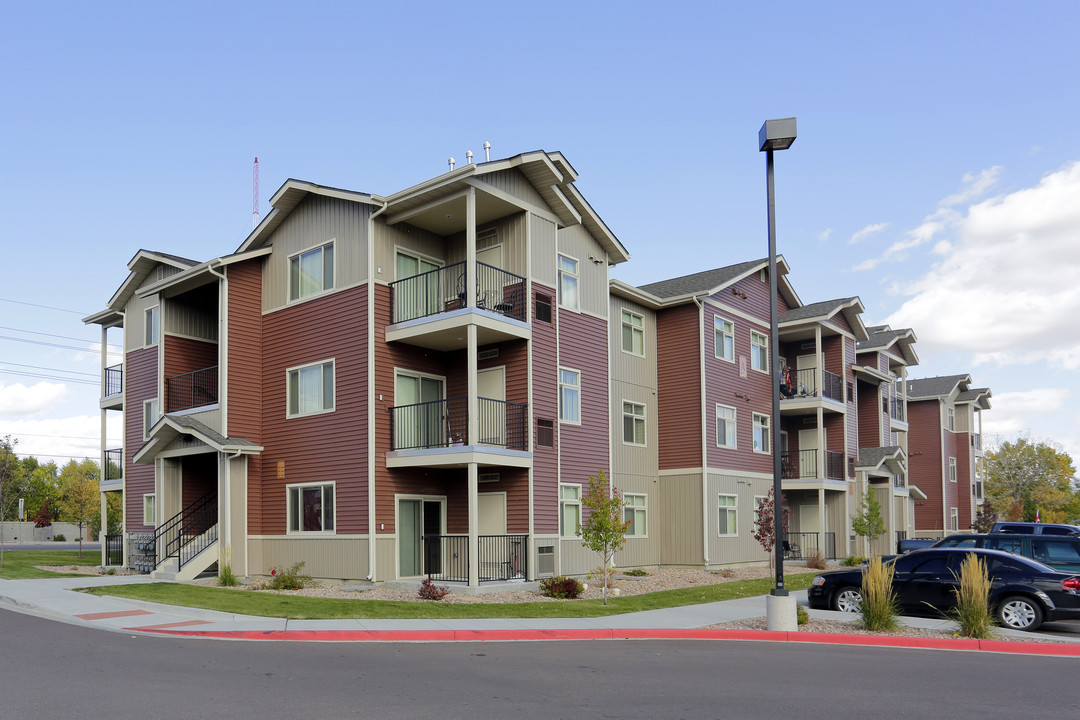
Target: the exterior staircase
(186, 545)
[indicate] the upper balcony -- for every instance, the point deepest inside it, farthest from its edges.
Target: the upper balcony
(194, 389)
(800, 392)
(437, 433)
(432, 309)
(113, 388)
(804, 465)
(113, 464)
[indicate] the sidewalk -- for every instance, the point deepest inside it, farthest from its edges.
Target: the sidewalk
(55, 599)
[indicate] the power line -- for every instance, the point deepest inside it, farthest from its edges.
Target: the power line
(39, 367)
(66, 437)
(62, 337)
(48, 377)
(56, 345)
(46, 307)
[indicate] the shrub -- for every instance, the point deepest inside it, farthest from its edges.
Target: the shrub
(59, 537)
(972, 609)
(636, 572)
(430, 591)
(817, 561)
(562, 588)
(288, 579)
(878, 605)
(853, 561)
(110, 571)
(802, 615)
(226, 578)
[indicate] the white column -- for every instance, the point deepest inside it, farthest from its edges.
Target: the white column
(822, 527)
(470, 247)
(474, 524)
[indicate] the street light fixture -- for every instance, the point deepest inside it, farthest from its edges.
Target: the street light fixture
(780, 607)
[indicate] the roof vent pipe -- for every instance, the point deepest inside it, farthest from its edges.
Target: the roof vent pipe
(452, 161)
(487, 151)
(468, 157)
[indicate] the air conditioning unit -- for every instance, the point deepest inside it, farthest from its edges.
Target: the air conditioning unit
(487, 477)
(545, 560)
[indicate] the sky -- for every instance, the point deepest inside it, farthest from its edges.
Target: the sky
(934, 176)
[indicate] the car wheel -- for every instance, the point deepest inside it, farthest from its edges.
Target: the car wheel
(847, 599)
(1020, 613)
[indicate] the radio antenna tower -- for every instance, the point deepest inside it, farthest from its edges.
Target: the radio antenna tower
(255, 194)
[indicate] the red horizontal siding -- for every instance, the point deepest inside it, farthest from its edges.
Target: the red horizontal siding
(583, 449)
(678, 353)
(141, 375)
(545, 378)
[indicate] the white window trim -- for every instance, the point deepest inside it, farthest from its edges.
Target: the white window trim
(288, 273)
(642, 417)
(950, 419)
(953, 473)
(954, 519)
(734, 421)
(633, 329)
(333, 400)
(152, 520)
(154, 310)
(768, 430)
(558, 282)
(644, 509)
(719, 320)
(729, 510)
(767, 352)
(561, 386)
(415, 254)
(148, 425)
(288, 509)
(563, 501)
(757, 499)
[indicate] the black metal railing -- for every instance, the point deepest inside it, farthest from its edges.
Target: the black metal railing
(114, 464)
(500, 557)
(805, 385)
(834, 465)
(976, 441)
(796, 464)
(791, 465)
(896, 409)
(800, 545)
(189, 532)
(832, 386)
(192, 389)
(503, 423)
(443, 289)
(114, 380)
(114, 549)
(446, 557)
(445, 423)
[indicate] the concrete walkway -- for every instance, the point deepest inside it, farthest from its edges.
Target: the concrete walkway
(56, 599)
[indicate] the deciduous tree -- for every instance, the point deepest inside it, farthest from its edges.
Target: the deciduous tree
(765, 522)
(1024, 476)
(80, 502)
(868, 523)
(604, 530)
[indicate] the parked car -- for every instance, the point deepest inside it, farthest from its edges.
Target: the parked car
(1023, 593)
(1034, 528)
(1061, 553)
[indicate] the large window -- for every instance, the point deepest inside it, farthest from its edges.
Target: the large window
(952, 469)
(633, 333)
(311, 272)
(150, 416)
(724, 340)
(728, 517)
(636, 512)
(310, 507)
(568, 283)
(633, 418)
(569, 396)
(725, 426)
(569, 510)
(311, 389)
(761, 433)
(148, 509)
(759, 351)
(153, 322)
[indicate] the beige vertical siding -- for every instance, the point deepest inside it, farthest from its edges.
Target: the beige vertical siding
(744, 548)
(135, 320)
(385, 557)
(509, 233)
(678, 521)
(641, 551)
(180, 318)
(315, 221)
(576, 242)
(210, 418)
(235, 504)
(836, 520)
(630, 368)
(634, 459)
(576, 559)
(513, 182)
(543, 251)
(330, 557)
(388, 238)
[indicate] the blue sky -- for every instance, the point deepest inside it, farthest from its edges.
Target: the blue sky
(936, 174)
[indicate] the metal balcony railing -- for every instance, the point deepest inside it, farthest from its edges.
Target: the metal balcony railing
(445, 423)
(832, 385)
(898, 481)
(896, 409)
(443, 290)
(804, 384)
(192, 389)
(501, 557)
(803, 464)
(114, 380)
(804, 545)
(114, 464)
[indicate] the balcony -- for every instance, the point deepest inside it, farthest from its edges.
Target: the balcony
(803, 386)
(430, 309)
(191, 390)
(437, 433)
(113, 464)
(113, 387)
(803, 465)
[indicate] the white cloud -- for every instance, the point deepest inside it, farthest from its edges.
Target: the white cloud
(823, 236)
(59, 438)
(867, 232)
(20, 400)
(1005, 288)
(976, 186)
(1013, 412)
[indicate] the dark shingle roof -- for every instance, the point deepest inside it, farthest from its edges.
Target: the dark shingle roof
(881, 336)
(699, 282)
(873, 457)
(177, 258)
(818, 309)
(935, 386)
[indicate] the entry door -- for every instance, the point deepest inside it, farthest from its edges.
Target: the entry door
(804, 382)
(419, 298)
(808, 456)
(419, 537)
(496, 555)
(491, 386)
(419, 417)
(489, 283)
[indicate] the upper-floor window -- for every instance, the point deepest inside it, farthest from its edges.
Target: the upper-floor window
(569, 395)
(543, 308)
(153, 321)
(725, 426)
(568, 283)
(952, 469)
(633, 415)
(310, 507)
(545, 433)
(633, 333)
(759, 351)
(950, 418)
(311, 272)
(761, 433)
(635, 512)
(311, 388)
(150, 416)
(724, 342)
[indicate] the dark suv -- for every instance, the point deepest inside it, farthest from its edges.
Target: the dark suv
(1034, 528)
(1060, 553)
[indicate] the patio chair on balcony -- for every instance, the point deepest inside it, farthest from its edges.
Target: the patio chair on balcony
(791, 552)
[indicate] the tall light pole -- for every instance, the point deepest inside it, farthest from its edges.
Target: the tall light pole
(780, 607)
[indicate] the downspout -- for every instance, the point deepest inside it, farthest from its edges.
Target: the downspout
(225, 504)
(371, 387)
(704, 449)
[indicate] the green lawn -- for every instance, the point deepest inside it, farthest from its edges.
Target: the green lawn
(19, 564)
(248, 602)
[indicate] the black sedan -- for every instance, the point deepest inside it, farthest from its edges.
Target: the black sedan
(1023, 593)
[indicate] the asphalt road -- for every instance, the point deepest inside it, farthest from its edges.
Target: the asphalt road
(51, 669)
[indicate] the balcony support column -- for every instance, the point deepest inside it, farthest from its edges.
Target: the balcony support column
(823, 469)
(474, 526)
(819, 367)
(470, 248)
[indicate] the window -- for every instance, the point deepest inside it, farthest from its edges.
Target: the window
(761, 433)
(725, 426)
(954, 519)
(149, 509)
(952, 469)
(543, 308)
(950, 418)
(729, 516)
(759, 351)
(153, 318)
(724, 331)
(758, 500)
(568, 282)
(569, 510)
(545, 433)
(310, 507)
(311, 389)
(311, 272)
(633, 333)
(633, 421)
(635, 512)
(150, 416)
(569, 396)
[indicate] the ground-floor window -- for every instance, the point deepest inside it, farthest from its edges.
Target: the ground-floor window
(311, 507)
(954, 519)
(635, 512)
(149, 508)
(729, 515)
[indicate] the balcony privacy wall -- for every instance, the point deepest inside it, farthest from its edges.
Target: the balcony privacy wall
(583, 449)
(678, 355)
(925, 467)
(141, 368)
(545, 401)
(244, 373)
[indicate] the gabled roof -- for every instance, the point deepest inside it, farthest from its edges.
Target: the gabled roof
(975, 396)
(936, 387)
(170, 427)
(883, 337)
(140, 267)
(881, 459)
(850, 307)
(682, 289)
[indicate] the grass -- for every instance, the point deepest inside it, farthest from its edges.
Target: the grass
(248, 602)
(19, 564)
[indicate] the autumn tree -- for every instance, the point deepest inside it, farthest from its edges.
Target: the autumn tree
(985, 518)
(868, 522)
(765, 522)
(604, 530)
(1024, 477)
(80, 502)
(12, 484)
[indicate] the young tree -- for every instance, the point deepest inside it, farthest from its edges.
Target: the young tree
(765, 522)
(985, 518)
(80, 501)
(604, 530)
(868, 523)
